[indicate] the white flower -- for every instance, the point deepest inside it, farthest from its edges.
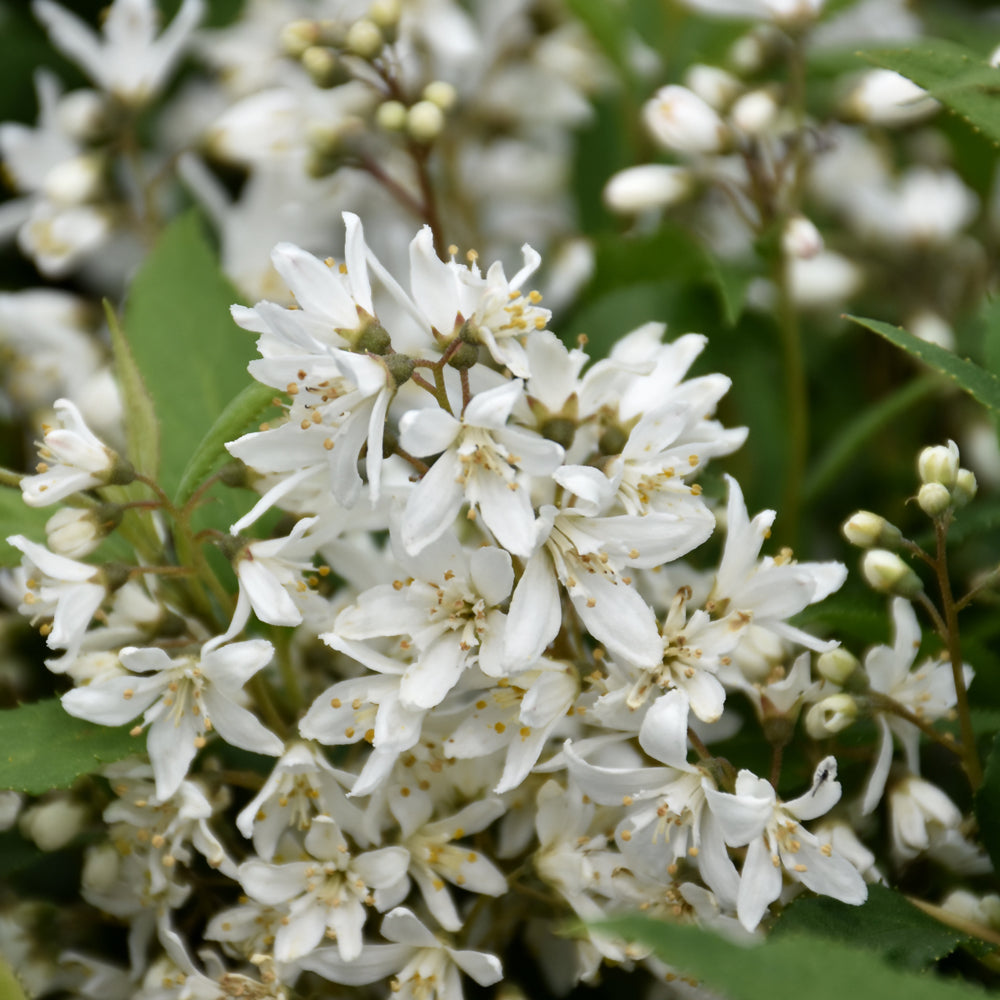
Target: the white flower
(928, 692)
(326, 894)
(483, 460)
(182, 699)
(73, 458)
(775, 840)
(680, 120)
(129, 61)
(60, 588)
(425, 968)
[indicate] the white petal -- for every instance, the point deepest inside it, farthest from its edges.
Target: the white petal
(760, 884)
(238, 726)
(535, 614)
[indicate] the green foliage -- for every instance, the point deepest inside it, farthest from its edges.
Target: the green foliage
(191, 354)
(17, 518)
(792, 966)
(979, 383)
(900, 932)
(232, 422)
(958, 77)
(43, 747)
(988, 804)
(10, 988)
(141, 428)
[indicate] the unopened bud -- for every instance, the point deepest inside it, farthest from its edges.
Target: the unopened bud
(391, 116)
(713, 85)
(836, 665)
(297, 36)
(84, 115)
(884, 97)
(52, 825)
(324, 67)
(76, 181)
(652, 185)
(75, 532)
(680, 120)
(888, 574)
(364, 39)
(385, 13)
(939, 464)
(100, 868)
(934, 499)
(867, 530)
(10, 806)
(830, 716)
(424, 121)
(801, 238)
(441, 93)
(754, 113)
(965, 487)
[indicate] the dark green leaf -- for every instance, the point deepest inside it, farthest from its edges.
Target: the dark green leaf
(230, 424)
(17, 518)
(43, 747)
(731, 281)
(958, 77)
(977, 382)
(141, 428)
(886, 923)
(191, 354)
(791, 967)
(988, 804)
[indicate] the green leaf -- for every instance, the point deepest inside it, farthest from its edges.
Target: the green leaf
(976, 381)
(17, 518)
(788, 967)
(987, 804)
(43, 747)
(886, 923)
(731, 282)
(191, 354)
(141, 428)
(959, 78)
(607, 27)
(230, 424)
(10, 988)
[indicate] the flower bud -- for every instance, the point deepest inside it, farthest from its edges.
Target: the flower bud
(10, 806)
(364, 39)
(324, 67)
(754, 113)
(385, 13)
(441, 93)
(801, 238)
(52, 825)
(965, 487)
(680, 120)
(76, 532)
(76, 181)
(888, 574)
(84, 115)
(867, 530)
(884, 97)
(830, 716)
(652, 185)
(391, 116)
(713, 85)
(836, 665)
(424, 121)
(939, 464)
(933, 499)
(100, 868)
(297, 36)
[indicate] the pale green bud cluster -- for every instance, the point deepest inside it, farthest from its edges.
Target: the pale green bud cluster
(944, 484)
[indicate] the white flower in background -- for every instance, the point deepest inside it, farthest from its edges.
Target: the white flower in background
(680, 120)
(783, 12)
(129, 61)
(423, 967)
(650, 186)
(884, 97)
(328, 893)
(776, 841)
(67, 591)
(182, 699)
(72, 457)
(928, 692)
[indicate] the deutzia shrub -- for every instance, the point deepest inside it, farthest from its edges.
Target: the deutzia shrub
(455, 650)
